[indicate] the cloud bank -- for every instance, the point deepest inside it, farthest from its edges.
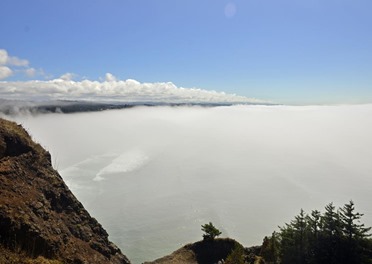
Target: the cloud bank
(110, 89)
(113, 90)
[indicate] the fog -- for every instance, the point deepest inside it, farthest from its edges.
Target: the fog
(153, 175)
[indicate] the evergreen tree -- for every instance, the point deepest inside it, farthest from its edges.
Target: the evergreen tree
(350, 221)
(300, 227)
(288, 243)
(210, 231)
(337, 236)
(314, 223)
(354, 232)
(270, 249)
(331, 221)
(294, 240)
(330, 239)
(314, 228)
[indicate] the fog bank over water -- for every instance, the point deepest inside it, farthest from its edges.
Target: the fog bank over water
(153, 175)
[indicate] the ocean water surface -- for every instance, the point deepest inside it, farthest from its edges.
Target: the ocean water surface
(153, 175)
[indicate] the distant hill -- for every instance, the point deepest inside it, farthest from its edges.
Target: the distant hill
(13, 107)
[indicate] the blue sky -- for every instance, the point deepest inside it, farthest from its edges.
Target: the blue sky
(286, 51)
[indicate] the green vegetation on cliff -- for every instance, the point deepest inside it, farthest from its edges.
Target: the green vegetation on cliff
(336, 236)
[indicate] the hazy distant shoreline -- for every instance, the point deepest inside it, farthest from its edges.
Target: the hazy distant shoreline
(14, 107)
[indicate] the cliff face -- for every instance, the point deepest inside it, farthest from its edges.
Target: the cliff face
(39, 216)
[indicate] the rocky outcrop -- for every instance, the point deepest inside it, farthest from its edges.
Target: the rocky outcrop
(39, 216)
(201, 252)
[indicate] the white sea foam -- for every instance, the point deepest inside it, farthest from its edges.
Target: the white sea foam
(124, 163)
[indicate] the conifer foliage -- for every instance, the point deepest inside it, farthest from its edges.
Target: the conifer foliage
(210, 231)
(336, 236)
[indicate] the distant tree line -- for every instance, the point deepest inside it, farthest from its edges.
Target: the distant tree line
(336, 236)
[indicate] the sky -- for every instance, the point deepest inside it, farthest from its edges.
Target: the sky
(288, 51)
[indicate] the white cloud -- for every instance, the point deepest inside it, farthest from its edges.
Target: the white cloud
(10, 65)
(17, 62)
(30, 72)
(67, 76)
(5, 59)
(110, 78)
(114, 90)
(5, 72)
(3, 56)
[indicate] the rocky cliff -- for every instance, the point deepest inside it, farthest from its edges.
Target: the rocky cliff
(39, 216)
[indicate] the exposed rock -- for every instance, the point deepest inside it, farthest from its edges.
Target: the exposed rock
(39, 216)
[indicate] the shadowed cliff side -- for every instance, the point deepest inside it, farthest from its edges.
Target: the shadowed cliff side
(39, 216)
